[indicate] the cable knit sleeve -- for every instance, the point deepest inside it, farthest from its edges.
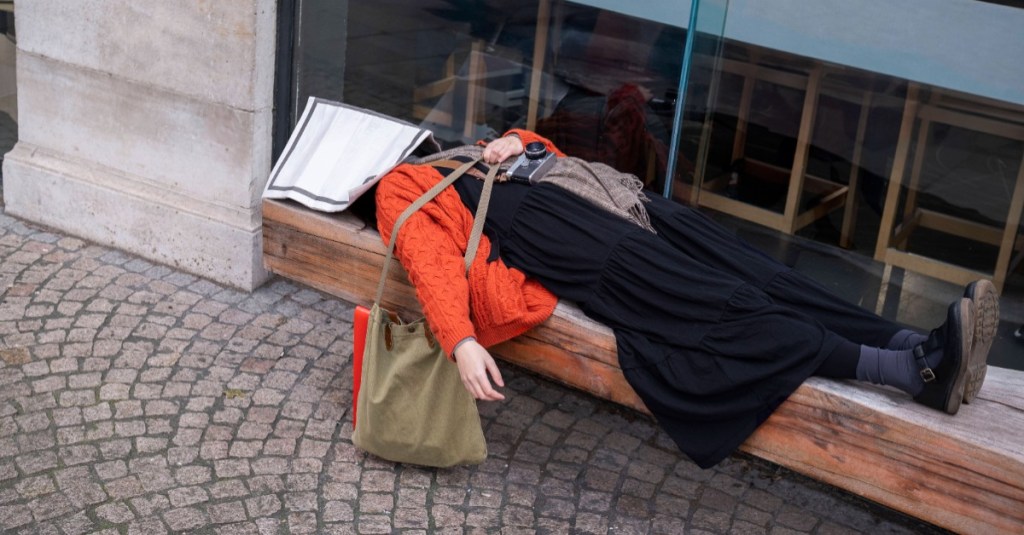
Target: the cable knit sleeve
(430, 247)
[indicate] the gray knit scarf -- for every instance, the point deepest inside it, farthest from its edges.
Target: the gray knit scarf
(616, 192)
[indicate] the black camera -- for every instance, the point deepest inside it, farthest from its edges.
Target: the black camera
(532, 164)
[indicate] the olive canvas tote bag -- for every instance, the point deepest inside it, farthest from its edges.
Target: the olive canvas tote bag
(410, 405)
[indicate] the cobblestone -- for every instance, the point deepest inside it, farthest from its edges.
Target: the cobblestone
(139, 399)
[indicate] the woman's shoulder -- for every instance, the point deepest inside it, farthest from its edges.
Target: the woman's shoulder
(406, 179)
(408, 182)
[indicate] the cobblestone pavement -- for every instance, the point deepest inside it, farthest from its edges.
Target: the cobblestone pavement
(138, 399)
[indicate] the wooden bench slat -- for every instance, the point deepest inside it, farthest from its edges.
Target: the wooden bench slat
(886, 447)
(536, 353)
(964, 473)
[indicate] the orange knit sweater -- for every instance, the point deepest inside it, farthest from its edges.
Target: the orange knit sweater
(495, 303)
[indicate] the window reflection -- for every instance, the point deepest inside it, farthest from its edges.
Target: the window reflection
(953, 203)
(790, 134)
(621, 75)
(916, 176)
(8, 85)
(600, 84)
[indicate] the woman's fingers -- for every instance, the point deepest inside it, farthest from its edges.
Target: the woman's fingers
(492, 368)
(495, 152)
(480, 387)
(501, 149)
(474, 363)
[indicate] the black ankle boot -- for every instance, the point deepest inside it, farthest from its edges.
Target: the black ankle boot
(944, 384)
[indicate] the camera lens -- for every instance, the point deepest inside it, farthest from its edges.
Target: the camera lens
(535, 150)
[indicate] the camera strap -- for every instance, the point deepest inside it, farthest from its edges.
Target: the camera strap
(452, 165)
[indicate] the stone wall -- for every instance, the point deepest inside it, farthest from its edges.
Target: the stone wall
(146, 125)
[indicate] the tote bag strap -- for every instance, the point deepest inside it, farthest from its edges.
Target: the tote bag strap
(478, 218)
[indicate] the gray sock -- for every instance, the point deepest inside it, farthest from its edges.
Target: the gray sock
(906, 339)
(893, 367)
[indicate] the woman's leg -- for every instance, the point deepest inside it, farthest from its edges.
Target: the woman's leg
(935, 373)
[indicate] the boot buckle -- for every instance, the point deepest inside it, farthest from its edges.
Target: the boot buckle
(926, 371)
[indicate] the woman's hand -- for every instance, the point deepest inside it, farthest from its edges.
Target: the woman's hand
(475, 362)
(502, 149)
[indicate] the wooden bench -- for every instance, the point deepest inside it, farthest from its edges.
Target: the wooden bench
(964, 472)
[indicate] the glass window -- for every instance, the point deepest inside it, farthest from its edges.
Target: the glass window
(874, 151)
(8, 85)
(602, 84)
(879, 152)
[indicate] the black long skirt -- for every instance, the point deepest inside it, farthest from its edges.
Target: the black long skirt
(712, 334)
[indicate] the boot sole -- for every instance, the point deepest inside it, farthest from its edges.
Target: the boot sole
(986, 322)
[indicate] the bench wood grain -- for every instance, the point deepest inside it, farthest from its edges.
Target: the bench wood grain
(964, 472)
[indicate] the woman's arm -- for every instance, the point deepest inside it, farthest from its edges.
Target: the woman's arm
(430, 246)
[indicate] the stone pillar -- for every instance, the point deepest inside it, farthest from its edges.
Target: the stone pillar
(146, 125)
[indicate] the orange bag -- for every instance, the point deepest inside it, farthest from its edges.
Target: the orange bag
(360, 321)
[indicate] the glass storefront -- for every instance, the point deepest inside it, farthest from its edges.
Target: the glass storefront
(8, 85)
(876, 149)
